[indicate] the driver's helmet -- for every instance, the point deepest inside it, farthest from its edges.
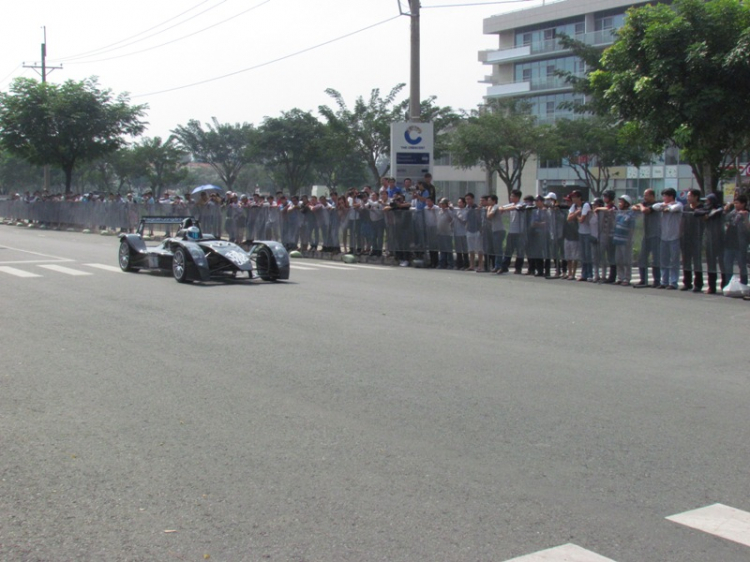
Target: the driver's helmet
(194, 233)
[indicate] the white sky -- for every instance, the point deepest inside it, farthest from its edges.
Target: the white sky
(375, 58)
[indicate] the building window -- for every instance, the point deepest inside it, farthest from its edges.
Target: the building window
(526, 39)
(550, 109)
(527, 75)
(604, 24)
(580, 28)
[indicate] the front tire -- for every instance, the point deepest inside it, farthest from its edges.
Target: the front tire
(180, 266)
(124, 259)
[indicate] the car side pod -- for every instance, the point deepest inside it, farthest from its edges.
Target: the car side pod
(271, 260)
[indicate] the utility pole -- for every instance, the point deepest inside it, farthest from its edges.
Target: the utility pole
(44, 71)
(414, 97)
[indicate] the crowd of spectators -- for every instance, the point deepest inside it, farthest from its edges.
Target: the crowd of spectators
(545, 236)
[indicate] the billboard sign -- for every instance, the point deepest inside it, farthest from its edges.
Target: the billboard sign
(412, 148)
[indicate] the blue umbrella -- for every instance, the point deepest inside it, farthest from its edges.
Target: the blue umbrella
(207, 188)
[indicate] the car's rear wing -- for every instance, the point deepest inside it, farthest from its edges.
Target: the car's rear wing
(166, 220)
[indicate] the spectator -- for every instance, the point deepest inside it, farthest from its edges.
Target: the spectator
(735, 239)
(473, 235)
(669, 247)
(651, 241)
(572, 247)
(579, 212)
(497, 228)
(536, 247)
(691, 243)
(622, 240)
(445, 234)
(711, 214)
(460, 218)
(515, 231)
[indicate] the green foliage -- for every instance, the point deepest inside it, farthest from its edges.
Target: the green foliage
(339, 164)
(67, 124)
(290, 146)
(679, 73)
(17, 175)
(500, 137)
(227, 148)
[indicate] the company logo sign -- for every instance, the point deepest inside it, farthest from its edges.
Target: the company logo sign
(413, 135)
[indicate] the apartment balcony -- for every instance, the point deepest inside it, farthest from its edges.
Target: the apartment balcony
(543, 49)
(538, 87)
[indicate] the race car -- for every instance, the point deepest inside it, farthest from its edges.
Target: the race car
(192, 255)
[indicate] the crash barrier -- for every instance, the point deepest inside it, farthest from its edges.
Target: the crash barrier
(619, 245)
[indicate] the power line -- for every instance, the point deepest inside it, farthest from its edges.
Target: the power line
(11, 73)
(173, 40)
(476, 4)
(106, 49)
(308, 49)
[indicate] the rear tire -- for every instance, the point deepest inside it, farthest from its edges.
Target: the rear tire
(180, 266)
(264, 263)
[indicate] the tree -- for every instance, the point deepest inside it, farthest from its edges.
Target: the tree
(676, 75)
(501, 137)
(64, 125)
(161, 162)
(592, 146)
(227, 148)
(338, 163)
(290, 146)
(367, 126)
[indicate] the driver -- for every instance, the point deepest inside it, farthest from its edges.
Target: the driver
(193, 233)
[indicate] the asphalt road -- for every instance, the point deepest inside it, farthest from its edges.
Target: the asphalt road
(359, 413)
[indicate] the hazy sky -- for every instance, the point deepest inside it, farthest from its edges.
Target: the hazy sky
(146, 47)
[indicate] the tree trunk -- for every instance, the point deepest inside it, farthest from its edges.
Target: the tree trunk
(68, 178)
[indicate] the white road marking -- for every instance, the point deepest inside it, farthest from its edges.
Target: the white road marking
(718, 519)
(65, 270)
(17, 272)
(372, 267)
(18, 262)
(54, 258)
(330, 266)
(104, 267)
(565, 553)
(303, 268)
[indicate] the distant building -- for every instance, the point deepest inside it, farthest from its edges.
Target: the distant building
(529, 54)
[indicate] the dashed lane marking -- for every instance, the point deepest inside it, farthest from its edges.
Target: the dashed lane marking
(565, 553)
(718, 519)
(17, 272)
(105, 267)
(304, 268)
(66, 270)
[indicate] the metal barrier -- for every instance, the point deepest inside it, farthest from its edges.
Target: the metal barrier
(614, 246)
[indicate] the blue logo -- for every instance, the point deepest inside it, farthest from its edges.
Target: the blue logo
(410, 140)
